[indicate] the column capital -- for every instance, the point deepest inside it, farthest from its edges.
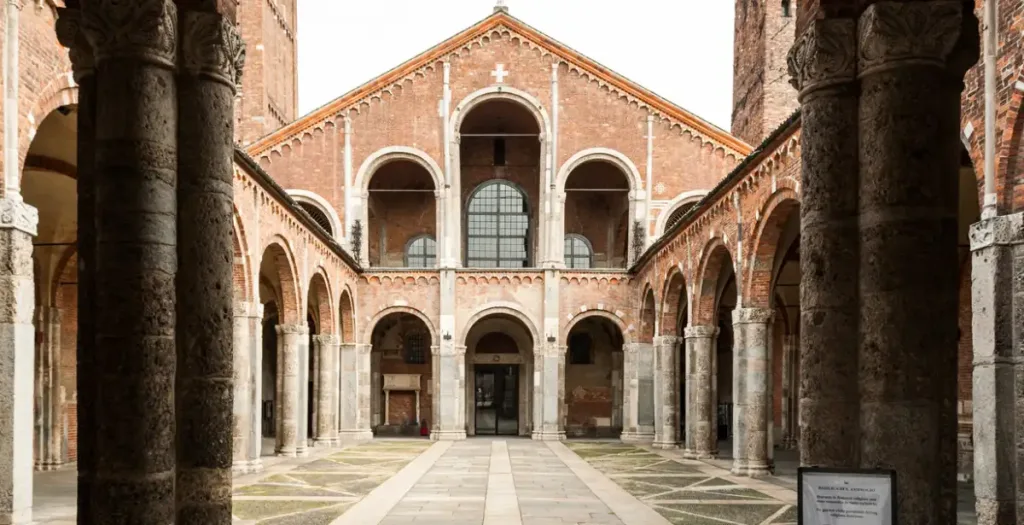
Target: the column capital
(16, 214)
(700, 332)
(212, 46)
(752, 315)
(70, 35)
(634, 348)
(142, 29)
(667, 340)
(289, 329)
(824, 56)
(247, 309)
(327, 339)
(896, 34)
(1003, 230)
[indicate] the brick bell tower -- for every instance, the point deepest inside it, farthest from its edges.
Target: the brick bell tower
(762, 95)
(269, 96)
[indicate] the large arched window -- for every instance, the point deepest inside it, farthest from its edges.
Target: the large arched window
(421, 252)
(578, 252)
(497, 227)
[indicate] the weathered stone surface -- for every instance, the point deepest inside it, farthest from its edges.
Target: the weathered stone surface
(701, 432)
(290, 339)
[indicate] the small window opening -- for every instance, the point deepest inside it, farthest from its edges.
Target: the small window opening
(499, 152)
(415, 349)
(786, 13)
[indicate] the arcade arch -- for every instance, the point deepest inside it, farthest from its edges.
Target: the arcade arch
(598, 204)
(593, 384)
(499, 373)
(401, 205)
(402, 373)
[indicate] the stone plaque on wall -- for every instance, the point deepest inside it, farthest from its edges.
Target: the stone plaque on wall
(401, 381)
(497, 359)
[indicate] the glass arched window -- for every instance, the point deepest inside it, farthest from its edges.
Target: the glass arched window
(497, 227)
(421, 252)
(578, 252)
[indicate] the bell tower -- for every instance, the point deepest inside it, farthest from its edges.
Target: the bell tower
(269, 96)
(762, 96)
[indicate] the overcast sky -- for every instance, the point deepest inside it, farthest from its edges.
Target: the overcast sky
(679, 49)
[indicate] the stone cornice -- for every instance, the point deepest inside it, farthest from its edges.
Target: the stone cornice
(141, 29)
(824, 56)
(898, 34)
(212, 46)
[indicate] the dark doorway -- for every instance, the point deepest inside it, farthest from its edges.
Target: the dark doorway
(497, 400)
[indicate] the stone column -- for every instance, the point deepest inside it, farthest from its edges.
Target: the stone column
(289, 339)
(823, 64)
(244, 345)
(666, 391)
(752, 392)
(70, 35)
(789, 355)
(701, 415)
(302, 442)
(17, 338)
(49, 410)
(355, 392)
(326, 431)
(256, 391)
(451, 371)
(997, 301)
(136, 262)
(638, 398)
(548, 368)
(912, 60)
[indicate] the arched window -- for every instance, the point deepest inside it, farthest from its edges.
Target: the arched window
(318, 215)
(497, 227)
(578, 252)
(421, 252)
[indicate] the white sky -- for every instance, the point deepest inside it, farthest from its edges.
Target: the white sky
(679, 49)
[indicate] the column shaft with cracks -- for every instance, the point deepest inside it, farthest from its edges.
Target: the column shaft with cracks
(666, 391)
(701, 413)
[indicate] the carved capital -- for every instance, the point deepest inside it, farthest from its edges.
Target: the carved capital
(139, 29)
(290, 329)
(16, 214)
(824, 56)
(667, 340)
(752, 315)
(700, 332)
(897, 34)
(327, 339)
(70, 35)
(212, 46)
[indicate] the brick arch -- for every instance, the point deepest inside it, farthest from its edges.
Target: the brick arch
(672, 295)
(278, 253)
(607, 155)
(318, 202)
(379, 158)
(778, 208)
(240, 268)
(1010, 175)
(346, 316)
(648, 316)
(714, 256)
(627, 336)
(501, 308)
(65, 262)
(415, 312)
(686, 197)
(320, 300)
(501, 92)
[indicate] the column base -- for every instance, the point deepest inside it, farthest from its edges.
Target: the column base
(248, 466)
(346, 436)
(448, 435)
(665, 445)
(752, 470)
(541, 435)
(47, 466)
(302, 452)
(700, 455)
(637, 437)
(326, 442)
(288, 452)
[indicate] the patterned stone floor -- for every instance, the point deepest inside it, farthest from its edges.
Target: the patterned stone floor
(318, 492)
(689, 492)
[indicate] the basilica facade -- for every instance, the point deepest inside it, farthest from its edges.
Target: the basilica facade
(501, 236)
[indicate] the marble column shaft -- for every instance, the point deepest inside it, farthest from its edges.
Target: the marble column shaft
(823, 63)
(70, 35)
(210, 47)
(327, 354)
(243, 460)
(752, 454)
(451, 373)
(912, 61)
(701, 440)
(638, 398)
(788, 394)
(302, 441)
(997, 302)
(666, 391)
(136, 260)
(354, 402)
(287, 407)
(548, 370)
(49, 406)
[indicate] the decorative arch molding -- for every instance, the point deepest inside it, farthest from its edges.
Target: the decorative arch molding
(315, 200)
(327, 326)
(506, 93)
(685, 197)
(368, 334)
(501, 308)
(611, 156)
(763, 258)
(291, 300)
(626, 330)
(388, 154)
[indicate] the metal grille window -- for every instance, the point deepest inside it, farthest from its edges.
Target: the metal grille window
(415, 349)
(421, 252)
(319, 216)
(578, 252)
(497, 227)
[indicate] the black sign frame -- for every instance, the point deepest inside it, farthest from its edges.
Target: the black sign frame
(800, 471)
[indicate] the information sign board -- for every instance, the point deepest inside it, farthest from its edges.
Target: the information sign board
(846, 496)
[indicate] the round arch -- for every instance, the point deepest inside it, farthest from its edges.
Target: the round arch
(627, 334)
(285, 266)
(506, 93)
(673, 294)
(500, 308)
(613, 157)
(320, 286)
(368, 334)
(713, 256)
(242, 266)
(774, 213)
(346, 315)
(315, 200)
(648, 315)
(383, 156)
(686, 197)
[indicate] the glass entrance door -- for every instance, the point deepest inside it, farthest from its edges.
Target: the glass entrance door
(497, 400)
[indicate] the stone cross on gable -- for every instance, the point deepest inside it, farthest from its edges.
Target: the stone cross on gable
(499, 73)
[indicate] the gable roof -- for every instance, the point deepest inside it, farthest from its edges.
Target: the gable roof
(500, 18)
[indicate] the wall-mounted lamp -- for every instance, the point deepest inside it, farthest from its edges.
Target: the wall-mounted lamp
(551, 339)
(447, 336)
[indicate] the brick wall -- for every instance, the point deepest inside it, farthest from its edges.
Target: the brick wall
(269, 96)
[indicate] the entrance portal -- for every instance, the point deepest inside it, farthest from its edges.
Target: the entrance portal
(497, 400)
